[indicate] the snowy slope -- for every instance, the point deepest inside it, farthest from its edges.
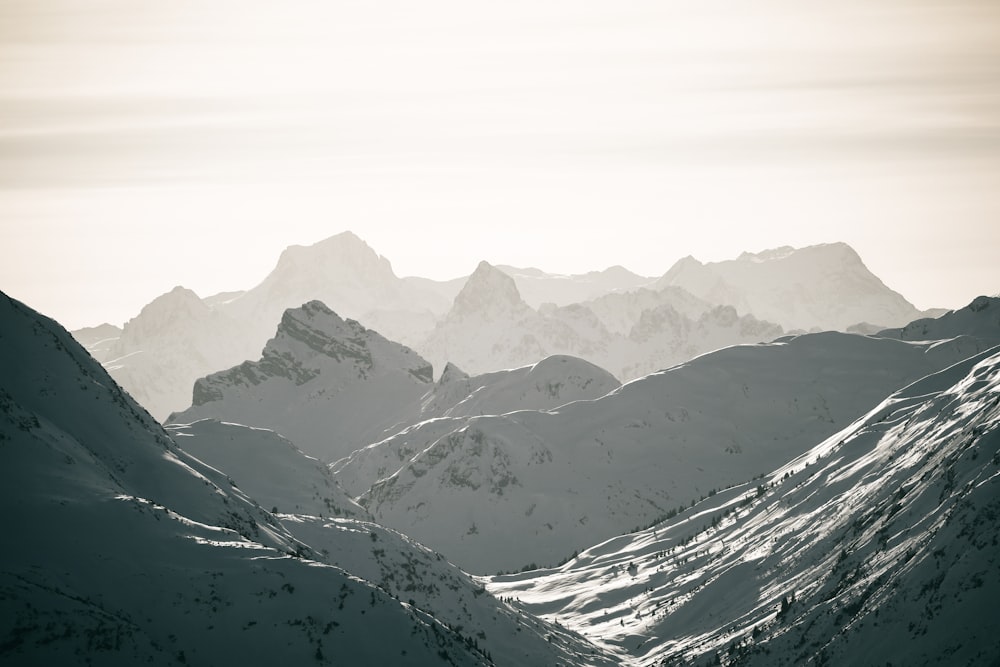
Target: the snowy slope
(130, 551)
(267, 467)
(490, 327)
(980, 319)
(824, 286)
(550, 383)
(315, 510)
(499, 492)
(878, 546)
(176, 339)
(347, 275)
(327, 384)
(98, 340)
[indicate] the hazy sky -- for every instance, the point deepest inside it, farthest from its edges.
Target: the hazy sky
(145, 145)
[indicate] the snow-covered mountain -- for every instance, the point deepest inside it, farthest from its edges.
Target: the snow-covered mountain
(538, 287)
(500, 323)
(878, 546)
(267, 467)
(824, 287)
(331, 386)
(664, 337)
(179, 337)
(621, 311)
(174, 340)
(99, 340)
(491, 327)
(328, 384)
(347, 275)
(499, 492)
(980, 319)
(550, 383)
(128, 550)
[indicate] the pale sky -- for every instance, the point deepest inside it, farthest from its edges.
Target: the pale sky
(145, 145)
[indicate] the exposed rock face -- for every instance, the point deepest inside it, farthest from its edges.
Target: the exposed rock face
(328, 384)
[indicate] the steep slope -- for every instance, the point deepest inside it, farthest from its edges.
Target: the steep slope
(130, 551)
(328, 384)
(179, 338)
(878, 546)
(317, 512)
(823, 286)
(98, 340)
(267, 467)
(498, 492)
(550, 383)
(980, 319)
(175, 340)
(490, 327)
(347, 275)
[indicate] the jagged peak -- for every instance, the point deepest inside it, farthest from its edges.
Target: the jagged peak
(316, 325)
(488, 289)
(452, 373)
(683, 265)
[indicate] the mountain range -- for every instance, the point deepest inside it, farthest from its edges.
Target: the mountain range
(762, 489)
(126, 549)
(623, 322)
(877, 546)
(588, 470)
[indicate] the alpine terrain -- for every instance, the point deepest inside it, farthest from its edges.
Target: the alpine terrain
(129, 550)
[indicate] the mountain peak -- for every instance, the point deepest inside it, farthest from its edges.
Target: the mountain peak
(313, 329)
(166, 312)
(488, 290)
(825, 285)
(452, 373)
(343, 254)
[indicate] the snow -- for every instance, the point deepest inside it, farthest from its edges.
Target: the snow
(824, 286)
(883, 537)
(615, 319)
(326, 383)
(127, 550)
(267, 467)
(822, 499)
(980, 319)
(491, 327)
(546, 483)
